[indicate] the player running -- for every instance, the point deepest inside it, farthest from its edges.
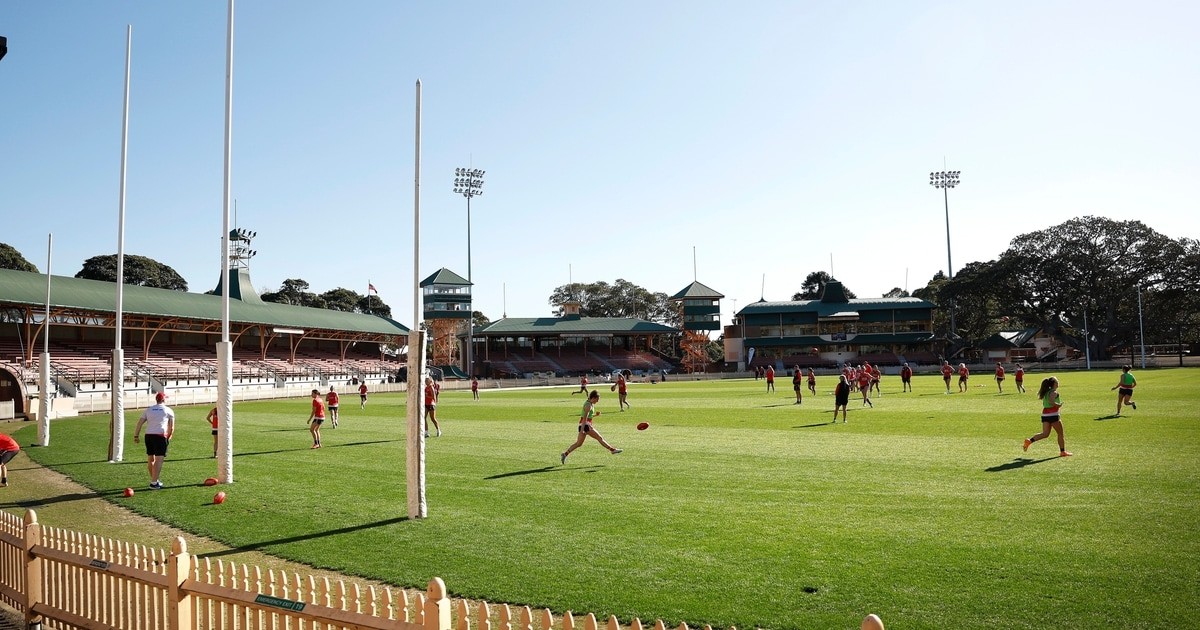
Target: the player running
(1126, 385)
(331, 402)
(999, 377)
(1019, 378)
(1051, 403)
(963, 375)
(947, 372)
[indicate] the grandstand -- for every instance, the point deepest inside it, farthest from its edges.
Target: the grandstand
(169, 339)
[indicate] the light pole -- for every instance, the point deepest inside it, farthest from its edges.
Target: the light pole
(468, 182)
(946, 180)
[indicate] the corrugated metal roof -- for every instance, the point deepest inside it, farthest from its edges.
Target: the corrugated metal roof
(534, 326)
(29, 289)
(828, 309)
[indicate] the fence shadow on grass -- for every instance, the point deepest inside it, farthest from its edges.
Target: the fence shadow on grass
(1019, 462)
(303, 537)
(62, 498)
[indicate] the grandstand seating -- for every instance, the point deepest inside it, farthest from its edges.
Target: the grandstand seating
(921, 357)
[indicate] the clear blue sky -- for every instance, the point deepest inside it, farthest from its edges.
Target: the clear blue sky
(772, 137)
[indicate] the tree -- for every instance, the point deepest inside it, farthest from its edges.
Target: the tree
(1087, 268)
(814, 286)
(932, 292)
(341, 299)
(294, 291)
(139, 271)
(10, 258)
(622, 299)
(1171, 310)
(896, 292)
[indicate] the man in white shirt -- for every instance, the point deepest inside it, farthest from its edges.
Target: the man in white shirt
(160, 425)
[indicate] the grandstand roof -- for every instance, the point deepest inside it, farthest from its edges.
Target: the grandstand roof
(180, 310)
(559, 326)
(828, 309)
(696, 290)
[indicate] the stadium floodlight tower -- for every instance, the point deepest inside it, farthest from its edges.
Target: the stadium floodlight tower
(468, 182)
(946, 180)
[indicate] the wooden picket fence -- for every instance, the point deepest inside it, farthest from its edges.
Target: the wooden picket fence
(64, 579)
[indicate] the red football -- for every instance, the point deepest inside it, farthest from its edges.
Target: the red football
(643, 426)
(219, 498)
(211, 481)
(128, 492)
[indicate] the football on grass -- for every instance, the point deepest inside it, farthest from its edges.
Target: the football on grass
(642, 426)
(211, 481)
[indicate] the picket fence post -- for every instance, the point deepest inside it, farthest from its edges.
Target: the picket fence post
(179, 601)
(33, 569)
(437, 606)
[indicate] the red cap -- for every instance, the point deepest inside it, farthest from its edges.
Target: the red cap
(160, 396)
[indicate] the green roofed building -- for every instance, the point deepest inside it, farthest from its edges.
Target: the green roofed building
(832, 330)
(570, 344)
(83, 322)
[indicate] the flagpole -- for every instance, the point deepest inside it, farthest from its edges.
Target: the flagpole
(116, 445)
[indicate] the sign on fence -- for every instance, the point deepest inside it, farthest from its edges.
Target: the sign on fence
(286, 604)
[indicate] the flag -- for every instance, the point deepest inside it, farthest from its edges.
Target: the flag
(371, 289)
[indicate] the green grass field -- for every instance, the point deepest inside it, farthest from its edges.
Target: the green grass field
(736, 507)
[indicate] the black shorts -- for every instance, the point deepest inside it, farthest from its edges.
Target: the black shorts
(7, 456)
(946, 378)
(1125, 391)
(156, 444)
(1050, 419)
(214, 431)
(333, 407)
(796, 387)
(904, 378)
(585, 428)
(318, 421)
(430, 408)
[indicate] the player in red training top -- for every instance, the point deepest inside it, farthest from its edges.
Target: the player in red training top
(316, 418)
(1019, 378)
(906, 378)
(770, 378)
(963, 374)
(362, 396)
(583, 383)
(331, 401)
(999, 377)
(475, 388)
(812, 381)
(947, 372)
(864, 385)
(432, 390)
(213, 419)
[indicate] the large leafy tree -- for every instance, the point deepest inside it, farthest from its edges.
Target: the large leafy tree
(1086, 269)
(932, 292)
(814, 285)
(294, 291)
(1171, 309)
(620, 299)
(10, 258)
(139, 271)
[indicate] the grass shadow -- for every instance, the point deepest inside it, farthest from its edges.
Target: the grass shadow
(62, 498)
(1111, 416)
(1019, 462)
(315, 535)
(816, 424)
(518, 473)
